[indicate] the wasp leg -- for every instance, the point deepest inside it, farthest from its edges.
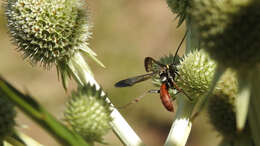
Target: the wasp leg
(182, 91)
(139, 98)
(174, 97)
(153, 91)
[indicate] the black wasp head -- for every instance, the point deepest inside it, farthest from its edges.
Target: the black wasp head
(173, 70)
(163, 77)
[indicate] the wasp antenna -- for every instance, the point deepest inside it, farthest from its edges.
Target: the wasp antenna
(180, 46)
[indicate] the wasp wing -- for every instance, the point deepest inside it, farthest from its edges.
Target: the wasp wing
(131, 81)
(149, 64)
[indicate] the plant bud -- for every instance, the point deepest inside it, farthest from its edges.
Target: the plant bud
(88, 113)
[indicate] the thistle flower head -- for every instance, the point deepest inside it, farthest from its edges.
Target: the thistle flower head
(7, 115)
(88, 113)
(196, 71)
(48, 31)
(227, 30)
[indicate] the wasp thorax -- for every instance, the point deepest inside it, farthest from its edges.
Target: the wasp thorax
(166, 60)
(49, 31)
(228, 30)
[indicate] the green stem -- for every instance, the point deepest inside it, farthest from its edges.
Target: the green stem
(181, 126)
(35, 111)
(120, 127)
(192, 41)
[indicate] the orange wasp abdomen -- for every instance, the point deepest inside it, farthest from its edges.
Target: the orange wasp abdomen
(166, 98)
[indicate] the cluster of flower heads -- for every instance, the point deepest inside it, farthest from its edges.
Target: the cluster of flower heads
(53, 31)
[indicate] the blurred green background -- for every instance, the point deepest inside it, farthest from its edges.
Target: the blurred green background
(124, 33)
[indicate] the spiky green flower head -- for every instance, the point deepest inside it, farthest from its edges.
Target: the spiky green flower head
(49, 31)
(228, 30)
(179, 7)
(7, 115)
(88, 113)
(196, 71)
(221, 105)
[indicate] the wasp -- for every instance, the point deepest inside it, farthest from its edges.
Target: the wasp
(167, 73)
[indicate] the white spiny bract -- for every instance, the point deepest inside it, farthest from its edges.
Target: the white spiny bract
(88, 113)
(48, 31)
(196, 71)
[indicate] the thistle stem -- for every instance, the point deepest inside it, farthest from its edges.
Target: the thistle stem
(181, 126)
(119, 125)
(192, 41)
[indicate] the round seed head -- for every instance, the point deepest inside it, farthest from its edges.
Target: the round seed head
(196, 71)
(48, 31)
(88, 113)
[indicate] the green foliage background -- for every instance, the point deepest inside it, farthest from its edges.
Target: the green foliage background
(124, 33)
